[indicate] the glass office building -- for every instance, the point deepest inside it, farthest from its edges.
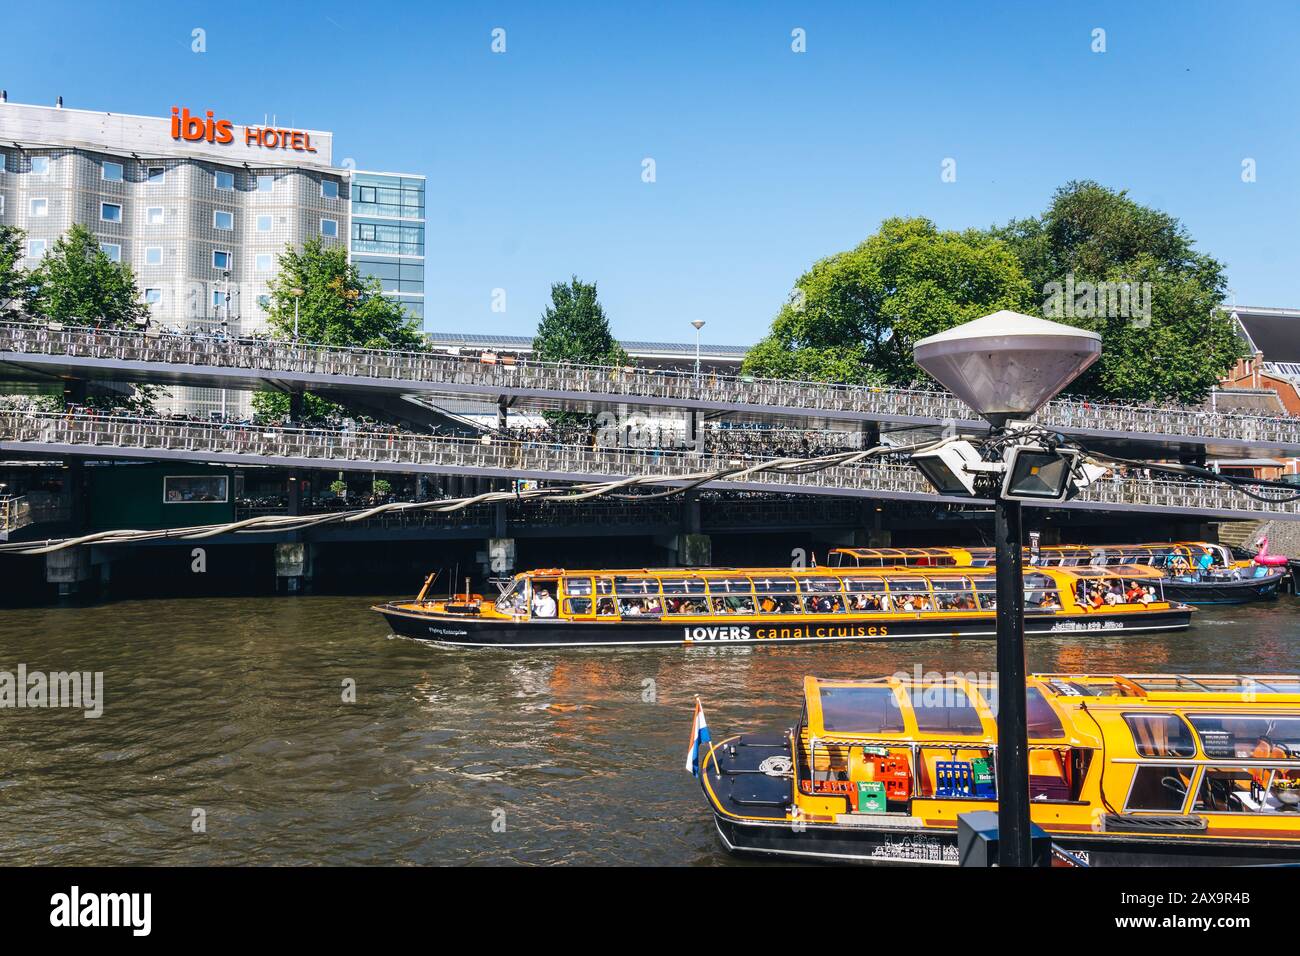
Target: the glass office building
(387, 240)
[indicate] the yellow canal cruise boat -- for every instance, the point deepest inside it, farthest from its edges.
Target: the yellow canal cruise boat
(1125, 770)
(782, 606)
(1196, 572)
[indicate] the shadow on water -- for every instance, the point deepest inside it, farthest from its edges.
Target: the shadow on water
(234, 707)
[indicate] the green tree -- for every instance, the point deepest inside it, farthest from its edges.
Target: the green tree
(336, 306)
(13, 279)
(574, 328)
(77, 282)
(854, 316)
(1163, 333)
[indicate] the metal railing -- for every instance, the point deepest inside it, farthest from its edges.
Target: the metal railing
(668, 387)
(327, 448)
(15, 513)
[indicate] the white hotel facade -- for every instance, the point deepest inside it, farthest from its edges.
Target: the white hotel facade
(201, 221)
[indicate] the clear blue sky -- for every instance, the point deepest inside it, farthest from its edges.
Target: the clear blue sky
(765, 159)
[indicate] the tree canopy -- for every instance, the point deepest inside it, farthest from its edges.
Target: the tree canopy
(1095, 259)
(1171, 340)
(77, 282)
(854, 316)
(338, 306)
(13, 279)
(574, 328)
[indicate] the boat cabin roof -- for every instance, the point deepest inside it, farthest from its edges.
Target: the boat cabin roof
(956, 708)
(1128, 571)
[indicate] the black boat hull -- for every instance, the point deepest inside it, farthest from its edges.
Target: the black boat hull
(1245, 591)
(857, 844)
(470, 631)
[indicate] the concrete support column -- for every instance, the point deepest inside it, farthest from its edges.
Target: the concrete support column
(295, 406)
(293, 566)
(68, 569)
(294, 494)
(870, 435)
(694, 550)
(503, 413)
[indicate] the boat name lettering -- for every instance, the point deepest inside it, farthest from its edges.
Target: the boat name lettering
(731, 633)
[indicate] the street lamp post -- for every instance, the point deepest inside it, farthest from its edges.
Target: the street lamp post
(699, 324)
(1006, 366)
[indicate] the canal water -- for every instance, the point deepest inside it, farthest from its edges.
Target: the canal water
(225, 736)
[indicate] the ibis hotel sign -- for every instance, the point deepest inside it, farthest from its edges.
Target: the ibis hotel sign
(186, 133)
(205, 127)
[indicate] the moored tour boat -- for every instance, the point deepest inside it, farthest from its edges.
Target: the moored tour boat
(1197, 572)
(782, 606)
(1125, 770)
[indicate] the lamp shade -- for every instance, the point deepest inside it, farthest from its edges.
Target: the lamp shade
(1006, 365)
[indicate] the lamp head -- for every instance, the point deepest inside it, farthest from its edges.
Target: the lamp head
(1007, 365)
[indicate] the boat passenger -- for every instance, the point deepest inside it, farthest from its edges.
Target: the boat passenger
(1134, 593)
(543, 604)
(1148, 595)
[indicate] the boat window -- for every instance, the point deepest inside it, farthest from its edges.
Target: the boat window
(774, 585)
(1161, 735)
(1238, 736)
(808, 585)
(1162, 789)
(732, 604)
(909, 594)
(823, 603)
(986, 593)
(577, 586)
(873, 585)
(629, 585)
(866, 595)
(1042, 721)
(683, 585)
(861, 710)
(513, 599)
(1247, 790)
(578, 605)
(685, 604)
(604, 585)
(945, 709)
(639, 606)
(953, 594)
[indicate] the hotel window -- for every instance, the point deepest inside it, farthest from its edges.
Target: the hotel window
(153, 216)
(36, 248)
(329, 189)
(263, 223)
(220, 259)
(156, 175)
(223, 220)
(4, 159)
(39, 207)
(329, 227)
(110, 212)
(265, 184)
(264, 302)
(216, 298)
(225, 180)
(112, 250)
(2, 204)
(152, 296)
(153, 255)
(110, 172)
(40, 165)
(365, 194)
(265, 262)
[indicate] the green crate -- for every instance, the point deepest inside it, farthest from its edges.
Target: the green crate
(871, 796)
(981, 772)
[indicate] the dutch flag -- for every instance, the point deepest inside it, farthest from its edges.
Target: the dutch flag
(699, 739)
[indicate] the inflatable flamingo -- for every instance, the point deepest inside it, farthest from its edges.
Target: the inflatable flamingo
(1265, 559)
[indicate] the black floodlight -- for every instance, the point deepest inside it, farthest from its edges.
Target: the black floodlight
(947, 467)
(1035, 473)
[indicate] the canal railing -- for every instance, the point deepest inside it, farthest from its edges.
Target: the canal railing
(118, 436)
(172, 356)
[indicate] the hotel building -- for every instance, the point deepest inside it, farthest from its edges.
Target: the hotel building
(201, 207)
